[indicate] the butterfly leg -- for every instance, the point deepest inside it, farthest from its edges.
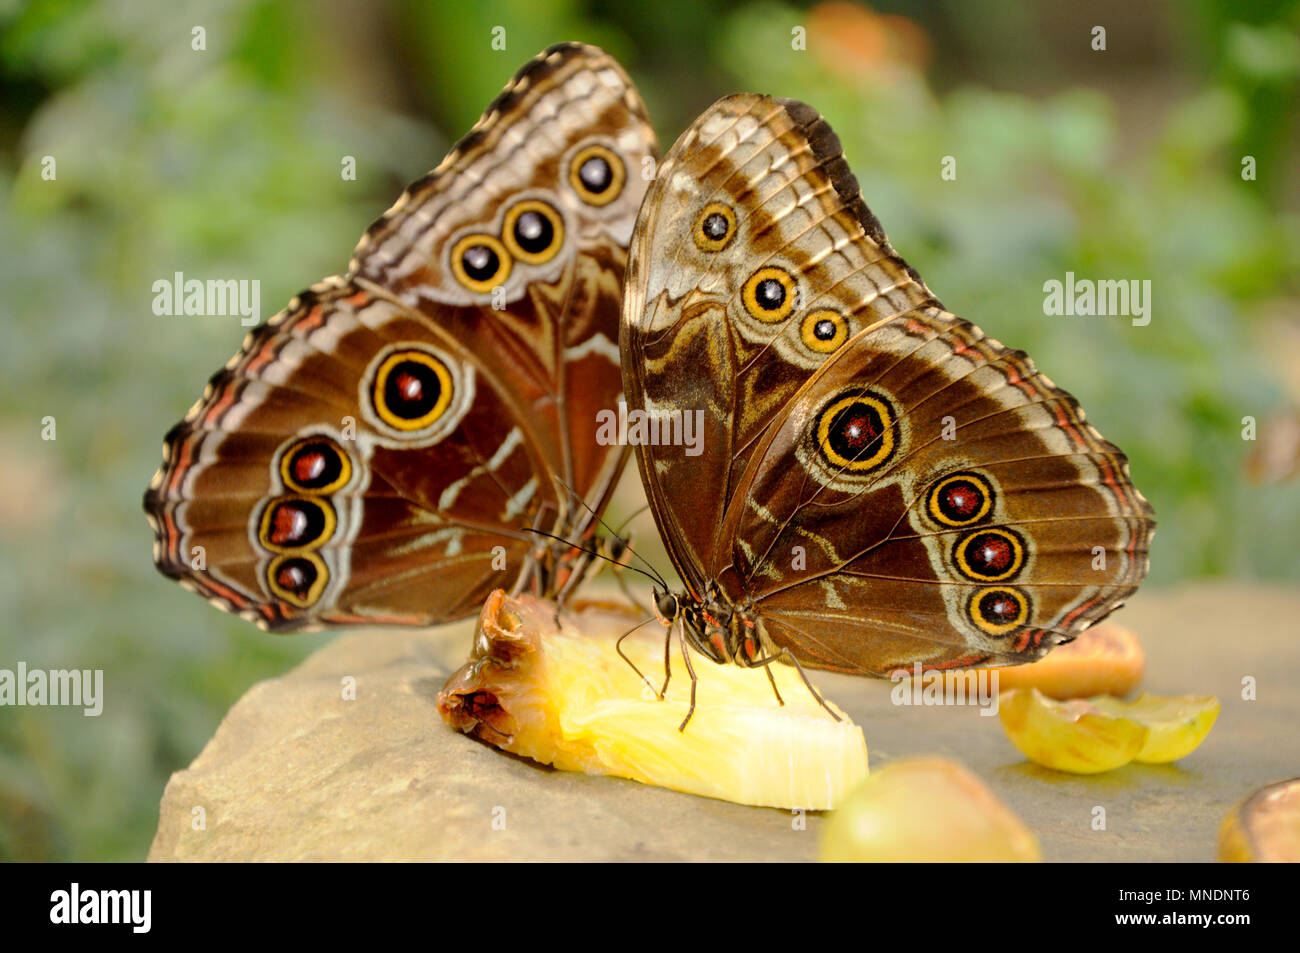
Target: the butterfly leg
(787, 656)
(690, 670)
(618, 647)
(771, 680)
(668, 659)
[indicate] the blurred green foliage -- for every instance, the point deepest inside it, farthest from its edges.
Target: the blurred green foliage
(226, 163)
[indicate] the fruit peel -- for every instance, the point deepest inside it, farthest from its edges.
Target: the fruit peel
(1264, 827)
(1177, 724)
(926, 810)
(1071, 736)
(1090, 736)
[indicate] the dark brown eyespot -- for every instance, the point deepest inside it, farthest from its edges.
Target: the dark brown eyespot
(990, 555)
(998, 610)
(480, 263)
(960, 500)
(298, 579)
(715, 227)
(315, 465)
(411, 390)
(597, 175)
(296, 523)
(533, 232)
(856, 433)
(768, 295)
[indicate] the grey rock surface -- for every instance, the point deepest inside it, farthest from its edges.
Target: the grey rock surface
(296, 771)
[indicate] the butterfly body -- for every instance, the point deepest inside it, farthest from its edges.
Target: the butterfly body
(881, 484)
(391, 447)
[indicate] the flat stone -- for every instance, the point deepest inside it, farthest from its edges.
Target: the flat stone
(296, 771)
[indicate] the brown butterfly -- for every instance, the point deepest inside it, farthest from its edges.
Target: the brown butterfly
(380, 451)
(881, 485)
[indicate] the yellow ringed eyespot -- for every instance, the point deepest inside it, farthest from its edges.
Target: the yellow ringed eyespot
(768, 295)
(998, 610)
(480, 263)
(298, 578)
(715, 227)
(533, 232)
(960, 500)
(315, 465)
(856, 433)
(990, 555)
(411, 390)
(824, 331)
(597, 175)
(293, 523)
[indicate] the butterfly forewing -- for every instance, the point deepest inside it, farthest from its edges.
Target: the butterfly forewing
(380, 451)
(891, 486)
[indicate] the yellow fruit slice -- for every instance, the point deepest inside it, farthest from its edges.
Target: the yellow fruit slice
(1073, 736)
(1176, 724)
(563, 696)
(925, 810)
(1264, 828)
(1106, 659)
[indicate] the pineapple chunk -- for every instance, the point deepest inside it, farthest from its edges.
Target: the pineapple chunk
(563, 696)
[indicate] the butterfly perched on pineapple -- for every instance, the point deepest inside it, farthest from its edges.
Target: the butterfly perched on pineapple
(382, 451)
(881, 485)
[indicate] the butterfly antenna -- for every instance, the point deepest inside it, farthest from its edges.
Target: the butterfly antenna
(662, 583)
(656, 579)
(635, 513)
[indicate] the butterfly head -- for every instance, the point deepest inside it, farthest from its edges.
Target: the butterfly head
(667, 606)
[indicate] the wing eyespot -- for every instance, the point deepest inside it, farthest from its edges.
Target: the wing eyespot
(769, 295)
(597, 175)
(998, 610)
(412, 389)
(315, 465)
(989, 555)
(715, 227)
(296, 523)
(961, 499)
(480, 263)
(533, 232)
(824, 331)
(856, 433)
(298, 578)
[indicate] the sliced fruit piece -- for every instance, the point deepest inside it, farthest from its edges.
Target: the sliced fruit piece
(925, 810)
(1106, 659)
(1176, 724)
(1265, 827)
(563, 696)
(1073, 736)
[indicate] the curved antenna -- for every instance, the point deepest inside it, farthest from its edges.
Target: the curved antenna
(656, 578)
(573, 493)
